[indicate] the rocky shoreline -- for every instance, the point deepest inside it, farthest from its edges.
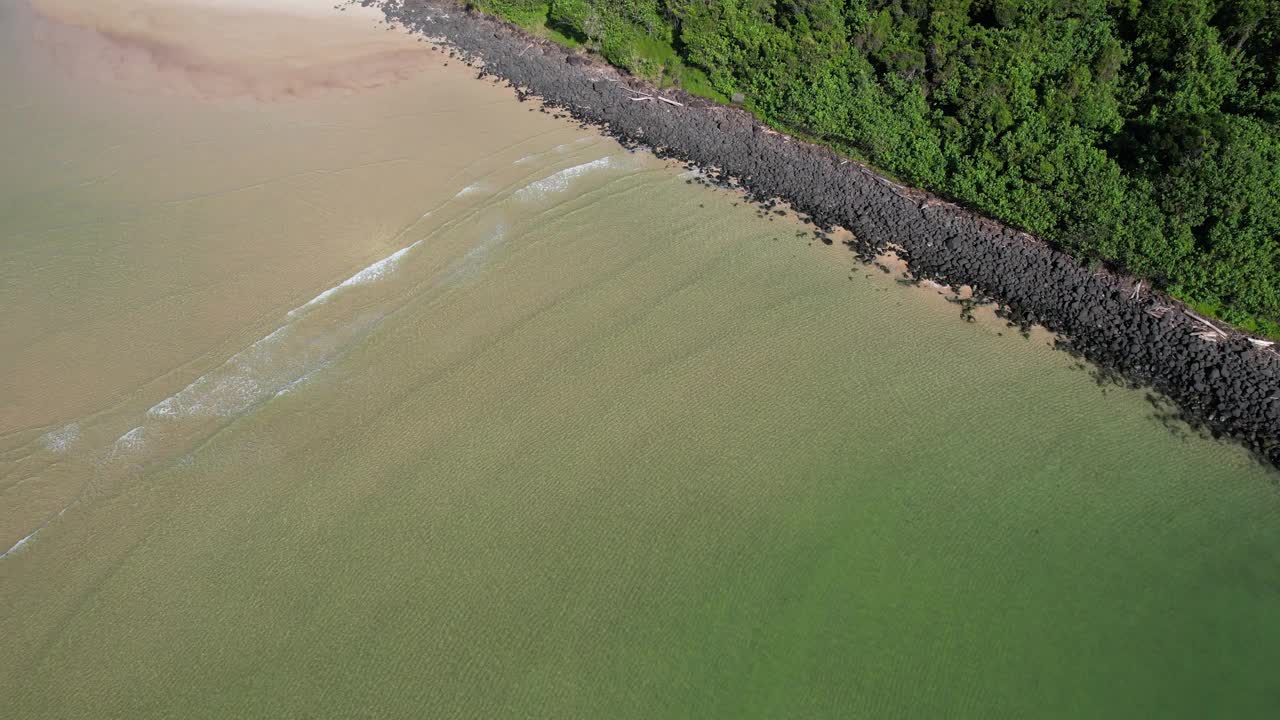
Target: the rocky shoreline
(1221, 381)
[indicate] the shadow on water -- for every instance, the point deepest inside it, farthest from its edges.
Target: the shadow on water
(1177, 423)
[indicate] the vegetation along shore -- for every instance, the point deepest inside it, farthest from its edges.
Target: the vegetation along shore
(1144, 135)
(1222, 380)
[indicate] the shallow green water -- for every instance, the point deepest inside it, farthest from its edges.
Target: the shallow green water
(603, 444)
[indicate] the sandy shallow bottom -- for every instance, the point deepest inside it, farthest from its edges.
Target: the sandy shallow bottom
(156, 224)
(405, 401)
(227, 48)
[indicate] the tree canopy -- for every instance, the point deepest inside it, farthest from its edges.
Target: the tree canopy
(1141, 133)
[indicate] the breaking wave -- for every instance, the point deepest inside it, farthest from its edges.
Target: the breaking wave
(373, 273)
(62, 439)
(559, 182)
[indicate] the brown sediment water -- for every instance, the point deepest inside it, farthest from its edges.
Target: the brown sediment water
(225, 48)
(163, 214)
(338, 392)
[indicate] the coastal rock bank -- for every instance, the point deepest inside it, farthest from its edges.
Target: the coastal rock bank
(1221, 381)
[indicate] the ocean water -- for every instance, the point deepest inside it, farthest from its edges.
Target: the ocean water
(397, 399)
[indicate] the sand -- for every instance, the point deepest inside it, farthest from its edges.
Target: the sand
(229, 48)
(168, 199)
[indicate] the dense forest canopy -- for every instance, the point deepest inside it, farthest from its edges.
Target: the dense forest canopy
(1143, 133)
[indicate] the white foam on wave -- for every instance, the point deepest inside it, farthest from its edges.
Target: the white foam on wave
(62, 439)
(132, 440)
(483, 248)
(289, 388)
(26, 539)
(474, 258)
(263, 369)
(471, 189)
(559, 182)
(224, 390)
(562, 147)
(165, 407)
(227, 390)
(373, 273)
(18, 545)
(275, 363)
(558, 149)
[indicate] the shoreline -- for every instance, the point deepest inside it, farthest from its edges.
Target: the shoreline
(224, 49)
(165, 217)
(1222, 381)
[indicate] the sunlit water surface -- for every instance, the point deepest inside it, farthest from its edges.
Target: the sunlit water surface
(408, 402)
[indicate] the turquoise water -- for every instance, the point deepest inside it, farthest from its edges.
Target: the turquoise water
(587, 441)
